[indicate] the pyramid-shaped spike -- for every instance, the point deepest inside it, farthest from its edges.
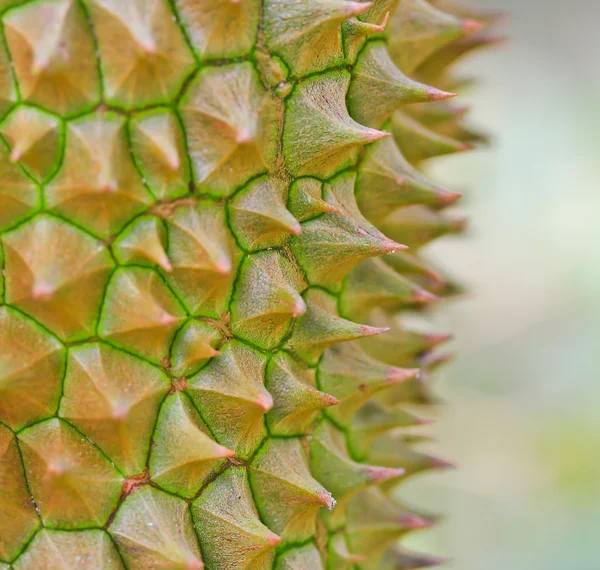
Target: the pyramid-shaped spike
(375, 523)
(308, 34)
(332, 244)
(301, 558)
(259, 216)
(204, 257)
(185, 467)
(419, 30)
(417, 142)
(416, 268)
(225, 513)
(387, 182)
(355, 33)
(336, 471)
(143, 242)
(113, 398)
(395, 450)
(72, 483)
(151, 60)
(418, 225)
(338, 554)
(192, 346)
(286, 494)
(220, 30)
(353, 377)
(154, 528)
(32, 365)
(57, 274)
(99, 186)
(17, 517)
(319, 137)
(267, 298)
(305, 199)
(159, 150)
(233, 380)
(140, 313)
(296, 399)
(376, 78)
(34, 140)
(53, 55)
(373, 284)
(232, 126)
(321, 327)
(374, 420)
(66, 549)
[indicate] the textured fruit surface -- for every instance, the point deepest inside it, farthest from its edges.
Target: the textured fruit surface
(211, 211)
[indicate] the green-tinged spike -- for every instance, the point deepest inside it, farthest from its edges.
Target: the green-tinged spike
(232, 127)
(33, 137)
(339, 557)
(307, 35)
(305, 199)
(320, 138)
(143, 243)
(373, 284)
(393, 450)
(296, 399)
(468, 9)
(416, 268)
(57, 274)
(300, 558)
(387, 182)
(203, 256)
(332, 244)
(52, 55)
(72, 483)
(321, 327)
(401, 346)
(220, 30)
(287, 497)
(267, 298)
(91, 549)
(353, 377)
(153, 528)
(374, 420)
(113, 398)
(140, 313)
(417, 225)
(402, 559)
(192, 346)
(18, 518)
(231, 534)
(99, 186)
(185, 467)
(417, 142)
(30, 378)
(380, 11)
(355, 34)
(375, 523)
(159, 150)
(375, 78)
(438, 65)
(152, 59)
(259, 217)
(233, 381)
(419, 30)
(19, 196)
(334, 469)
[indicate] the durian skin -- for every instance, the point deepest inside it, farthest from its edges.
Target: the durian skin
(182, 258)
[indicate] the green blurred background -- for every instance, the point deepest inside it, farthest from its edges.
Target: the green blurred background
(523, 398)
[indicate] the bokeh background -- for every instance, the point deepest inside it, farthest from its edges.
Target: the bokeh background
(522, 417)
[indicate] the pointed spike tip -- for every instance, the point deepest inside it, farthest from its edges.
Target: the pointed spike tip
(326, 499)
(414, 522)
(194, 564)
(367, 330)
(439, 95)
(424, 297)
(273, 540)
(357, 8)
(381, 474)
(265, 401)
(470, 26)
(447, 198)
(397, 375)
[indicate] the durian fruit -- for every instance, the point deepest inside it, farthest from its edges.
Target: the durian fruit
(210, 211)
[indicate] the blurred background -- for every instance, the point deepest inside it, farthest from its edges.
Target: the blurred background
(522, 418)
